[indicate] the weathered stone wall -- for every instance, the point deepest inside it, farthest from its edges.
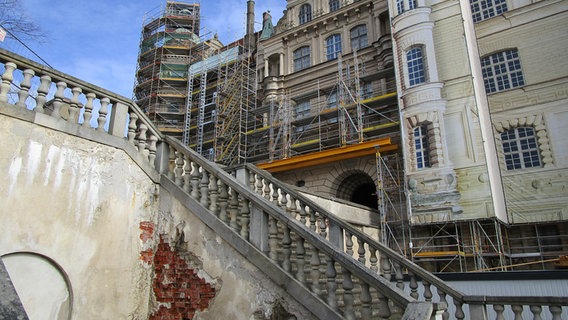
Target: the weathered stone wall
(73, 206)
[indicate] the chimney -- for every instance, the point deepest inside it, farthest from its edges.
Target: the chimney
(249, 37)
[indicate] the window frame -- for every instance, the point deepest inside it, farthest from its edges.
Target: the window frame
(302, 109)
(334, 5)
(416, 65)
(359, 37)
(305, 14)
(333, 42)
(502, 71)
(421, 146)
(520, 148)
(485, 9)
(302, 58)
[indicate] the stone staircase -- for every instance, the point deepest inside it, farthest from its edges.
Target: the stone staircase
(333, 269)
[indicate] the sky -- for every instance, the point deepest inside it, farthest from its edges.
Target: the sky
(97, 41)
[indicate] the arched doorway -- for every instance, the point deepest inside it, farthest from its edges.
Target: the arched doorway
(358, 187)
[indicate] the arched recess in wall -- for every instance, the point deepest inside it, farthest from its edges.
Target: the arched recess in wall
(42, 285)
(358, 187)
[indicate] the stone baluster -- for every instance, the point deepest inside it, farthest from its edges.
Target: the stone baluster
(348, 243)
(25, 86)
(373, 259)
(267, 190)
(74, 105)
(302, 213)
(384, 308)
(536, 310)
(204, 188)
(195, 177)
(286, 249)
(234, 210)
(251, 179)
(284, 201)
(361, 250)
(315, 273)
(331, 275)
(386, 268)
(88, 114)
(293, 208)
(58, 101)
(499, 309)
(132, 126)
(347, 284)
(413, 285)
(459, 310)
(556, 312)
(214, 195)
(427, 291)
(178, 171)
(223, 202)
(103, 111)
(141, 141)
(245, 218)
(259, 185)
(443, 298)
(42, 91)
(7, 78)
(366, 302)
(275, 195)
(322, 226)
(273, 239)
(399, 277)
(313, 226)
(152, 147)
(300, 260)
(186, 174)
(517, 311)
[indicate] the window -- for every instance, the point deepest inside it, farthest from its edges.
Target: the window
(421, 147)
(520, 148)
(502, 71)
(359, 37)
(400, 8)
(332, 100)
(334, 5)
(485, 9)
(333, 46)
(415, 65)
(366, 90)
(301, 58)
(305, 13)
(302, 109)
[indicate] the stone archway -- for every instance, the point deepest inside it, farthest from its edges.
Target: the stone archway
(358, 187)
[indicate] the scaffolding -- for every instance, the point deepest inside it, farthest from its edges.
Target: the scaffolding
(170, 36)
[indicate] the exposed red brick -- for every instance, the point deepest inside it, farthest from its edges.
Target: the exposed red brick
(147, 256)
(179, 285)
(147, 228)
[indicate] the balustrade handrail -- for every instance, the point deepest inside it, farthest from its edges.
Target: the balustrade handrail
(390, 253)
(56, 76)
(340, 257)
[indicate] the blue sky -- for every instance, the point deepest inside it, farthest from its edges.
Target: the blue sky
(97, 41)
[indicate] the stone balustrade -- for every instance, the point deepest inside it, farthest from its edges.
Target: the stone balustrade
(395, 268)
(353, 275)
(29, 85)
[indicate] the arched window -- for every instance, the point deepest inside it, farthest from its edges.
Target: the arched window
(421, 147)
(333, 46)
(359, 37)
(305, 13)
(502, 71)
(334, 5)
(520, 147)
(415, 66)
(301, 58)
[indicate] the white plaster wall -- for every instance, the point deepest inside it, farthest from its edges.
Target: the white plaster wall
(78, 203)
